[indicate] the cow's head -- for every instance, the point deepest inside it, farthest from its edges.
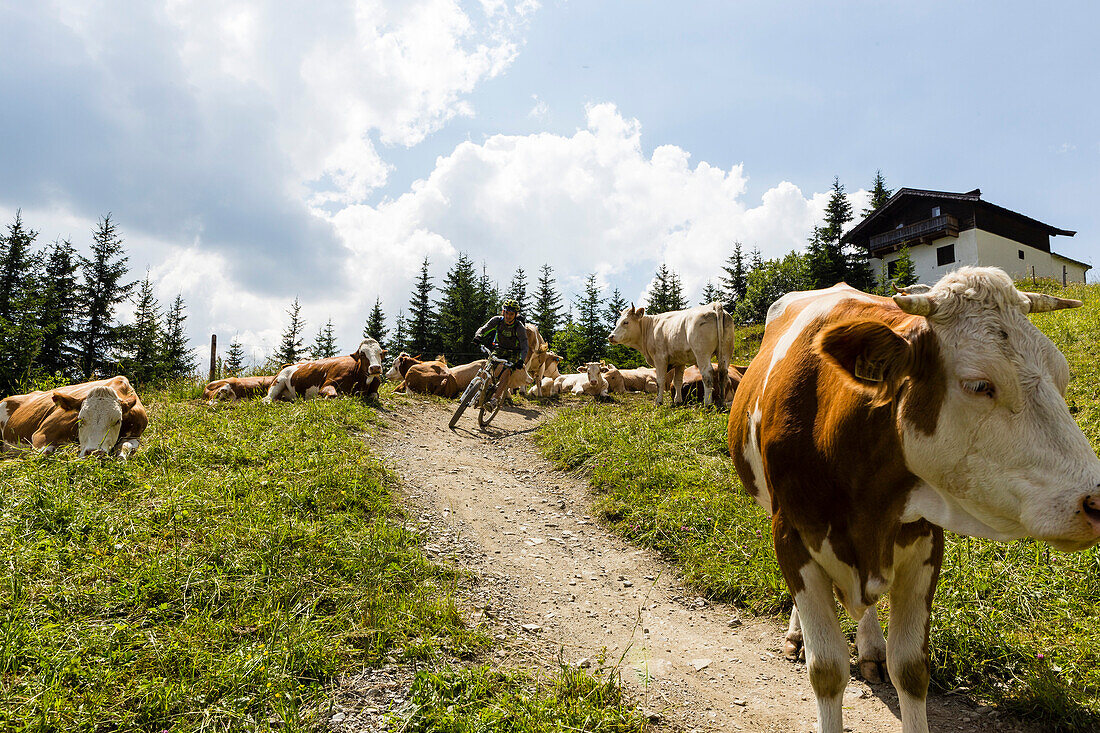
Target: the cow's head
(594, 370)
(628, 329)
(224, 392)
(99, 417)
(552, 361)
(519, 379)
(981, 413)
(401, 366)
(369, 355)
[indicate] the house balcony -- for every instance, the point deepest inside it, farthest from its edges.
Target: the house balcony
(923, 232)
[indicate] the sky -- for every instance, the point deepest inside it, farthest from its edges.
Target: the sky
(252, 153)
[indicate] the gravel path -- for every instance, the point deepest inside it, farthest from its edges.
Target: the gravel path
(552, 581)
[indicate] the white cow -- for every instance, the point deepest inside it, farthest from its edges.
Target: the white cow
(678, 339)
(589, 380)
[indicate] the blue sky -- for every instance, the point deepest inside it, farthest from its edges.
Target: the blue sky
(256, 152)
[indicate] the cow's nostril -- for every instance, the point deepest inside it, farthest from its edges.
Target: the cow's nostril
(1092, 507)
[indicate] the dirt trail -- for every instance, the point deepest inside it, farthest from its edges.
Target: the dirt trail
(550, 574)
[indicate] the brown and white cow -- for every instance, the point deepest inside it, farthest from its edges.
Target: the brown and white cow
(426, 377)
(358, 373)
(677, 339)
(868, 425)
(232, 389)
(102, 417)
(692, 389)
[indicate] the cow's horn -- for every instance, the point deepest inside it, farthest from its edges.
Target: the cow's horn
(1041, 302)
(918, 305)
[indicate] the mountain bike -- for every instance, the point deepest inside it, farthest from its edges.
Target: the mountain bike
(482, 391)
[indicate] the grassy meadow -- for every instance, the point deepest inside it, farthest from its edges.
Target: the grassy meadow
(225, 576)
(1013, 623)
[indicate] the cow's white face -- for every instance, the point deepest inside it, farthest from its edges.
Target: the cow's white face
(594, 370)
(628, 330)
(1002, 446)
(370, 354)
(99, 421)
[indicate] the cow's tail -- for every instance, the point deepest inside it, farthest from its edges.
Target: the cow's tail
(724, 355)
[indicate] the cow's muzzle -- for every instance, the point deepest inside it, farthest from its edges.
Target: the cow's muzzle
(1091, 508)
(374, 371)
(611, 339)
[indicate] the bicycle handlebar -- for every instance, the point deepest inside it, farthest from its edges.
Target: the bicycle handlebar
(493, 357)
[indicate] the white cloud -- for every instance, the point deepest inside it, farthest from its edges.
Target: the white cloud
(540, 110)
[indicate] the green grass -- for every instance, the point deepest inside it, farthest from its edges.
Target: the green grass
(1016, 623)
(220, 580)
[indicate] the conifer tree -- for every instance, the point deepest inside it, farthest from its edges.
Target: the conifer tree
(177, 357)
(421, 320)
(517, 290)
(376, 324)
(324, 343)
(399, 341)
(711, 294)
(735, 280)
(15, 257)
(20, 302)
(488, 297)
(880, 194)
(58, 311)
(290, 345)
(140, 342)
(461, 311)
(616, 304)
(234, 358)
(100, 292)
(547, 313)
(619, 355)
(666, 293)
(905, 272)
(585, 339)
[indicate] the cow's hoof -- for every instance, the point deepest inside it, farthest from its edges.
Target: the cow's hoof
(792, 647)
(873, 670)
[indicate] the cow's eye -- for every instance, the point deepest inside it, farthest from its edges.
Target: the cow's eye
(979, 387)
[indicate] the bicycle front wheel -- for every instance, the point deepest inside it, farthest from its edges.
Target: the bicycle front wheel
(489, 410)
(472, 389)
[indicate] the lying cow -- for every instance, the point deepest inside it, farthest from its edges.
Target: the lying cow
(641, 379)
(358, 373)
(692, 389)
(464, 374)
(425, 377)
(232, 389)
(549, 388)
(869, 425)
(102, 417)
(678, 339)
(588, 380)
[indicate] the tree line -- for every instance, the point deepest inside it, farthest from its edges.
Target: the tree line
(59, 314)
(443, 319)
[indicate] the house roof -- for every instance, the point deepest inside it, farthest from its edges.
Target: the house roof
(975, 196)
(1085, 265)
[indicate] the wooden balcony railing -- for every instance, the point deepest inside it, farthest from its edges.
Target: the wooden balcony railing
(927, 230)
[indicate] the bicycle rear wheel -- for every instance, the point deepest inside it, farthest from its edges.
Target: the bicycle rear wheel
(472, 389)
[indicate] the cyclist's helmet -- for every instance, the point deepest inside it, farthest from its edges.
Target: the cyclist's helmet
(511, 304)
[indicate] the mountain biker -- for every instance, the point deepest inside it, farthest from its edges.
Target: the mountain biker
(507, 334)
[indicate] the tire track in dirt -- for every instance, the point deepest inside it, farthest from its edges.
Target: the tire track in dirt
(555, 579)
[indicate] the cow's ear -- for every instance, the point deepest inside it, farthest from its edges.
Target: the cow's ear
(127, 403)
(66, 401)
(581, 369)
(870, 354)
(384, 352)
(639, 312)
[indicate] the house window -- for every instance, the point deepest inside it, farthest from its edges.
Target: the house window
(1021, 253)
(945, 255)
(892, 269)
(935, 211)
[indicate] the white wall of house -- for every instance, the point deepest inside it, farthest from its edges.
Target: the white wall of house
(979, 247)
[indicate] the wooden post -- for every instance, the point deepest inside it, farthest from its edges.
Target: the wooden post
(1065, 275)
(213, 356)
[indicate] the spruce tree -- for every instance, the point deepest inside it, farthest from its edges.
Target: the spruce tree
(234, 358)
(400, 340)
(376, 324)
(591, 321)
(56, 317)
(735, 280)
(15, 259)
(905, 272)
(20, 304)
(880, 194)
(324, 343)
(140, 342)
(100, 292)
(177, 357)
(616, 304)
(711, 294)
(667, 292)
(547, 313)
(488, 297)
(461, 311)
(421, 320)
(619, 355)
(517, 290)
(290, 348)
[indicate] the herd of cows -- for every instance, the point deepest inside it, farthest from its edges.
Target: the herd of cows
(865, 426)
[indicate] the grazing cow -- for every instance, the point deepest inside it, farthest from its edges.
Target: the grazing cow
(678, 339)
(102, 417)
(868, 425)
(692, 389)
(232, 389)
(640, 380)
(588, 380)
(358, 373)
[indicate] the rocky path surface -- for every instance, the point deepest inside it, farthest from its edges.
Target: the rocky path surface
(555, 580)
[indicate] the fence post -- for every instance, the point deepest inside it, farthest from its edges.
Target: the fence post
(213, 356)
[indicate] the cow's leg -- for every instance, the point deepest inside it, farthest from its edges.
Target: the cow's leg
(871, 646)
(126, 447)
(661, 365)
(678, 385)
(792, 642)
(328, 391)
(916, 570)
(826, 647)
(709, 380)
